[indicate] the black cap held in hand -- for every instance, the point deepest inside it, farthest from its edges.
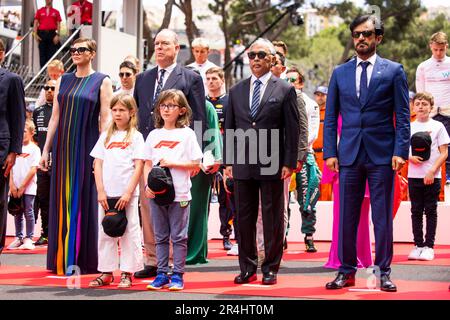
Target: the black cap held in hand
(421, 145)
(160, 181)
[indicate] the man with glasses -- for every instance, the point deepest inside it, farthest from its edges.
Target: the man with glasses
(166, 75)
(12, 123)
(127, 75)
(41, 118)
(370, 93)
(264, 108)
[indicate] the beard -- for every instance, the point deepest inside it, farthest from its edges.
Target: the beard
(366, 51)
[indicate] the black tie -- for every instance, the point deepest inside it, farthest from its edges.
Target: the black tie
(159, 86)
(363, 90)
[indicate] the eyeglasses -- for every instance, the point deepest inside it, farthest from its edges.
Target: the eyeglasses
(79, 50)
(168, 106)
(365, 34)
(292, 79)
(46, 88)
(125, 74)
(261, 55)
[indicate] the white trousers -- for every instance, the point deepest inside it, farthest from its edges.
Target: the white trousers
(131, 257)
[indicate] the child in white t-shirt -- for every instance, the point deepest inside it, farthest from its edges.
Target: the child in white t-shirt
(119, 154)
(23, 184)
(173, 145)
(428, 151)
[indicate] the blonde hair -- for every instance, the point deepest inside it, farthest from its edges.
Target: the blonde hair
(127, 101)
(424, 96)
(29, 124)
(439, 38)
(177, 96)
(56, 64)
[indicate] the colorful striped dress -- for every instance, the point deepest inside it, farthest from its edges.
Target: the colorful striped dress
(73, 221)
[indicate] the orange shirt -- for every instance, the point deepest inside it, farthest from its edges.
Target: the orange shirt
(318, 144)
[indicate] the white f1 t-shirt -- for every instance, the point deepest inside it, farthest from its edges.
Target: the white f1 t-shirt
(118, 160)
(179, 145)
(30, 156)
(439, 137)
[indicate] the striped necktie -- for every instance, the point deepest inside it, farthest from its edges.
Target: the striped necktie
(159, 86)
(255, 99)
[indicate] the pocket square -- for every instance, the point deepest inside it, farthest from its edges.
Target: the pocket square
(273, 100)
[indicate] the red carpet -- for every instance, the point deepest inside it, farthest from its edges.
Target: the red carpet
(311, 287)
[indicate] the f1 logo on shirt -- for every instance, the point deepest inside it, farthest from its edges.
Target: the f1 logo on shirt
(167, 144)
(24, 155)
(120, 145)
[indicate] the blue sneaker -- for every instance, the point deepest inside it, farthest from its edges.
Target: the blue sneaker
(161, 281)
(176, 282)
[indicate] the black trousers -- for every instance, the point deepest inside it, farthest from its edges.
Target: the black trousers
(272, 201)
(424, 199)
(46, 46)
(4, 187)
(239, 63)
(42, 199)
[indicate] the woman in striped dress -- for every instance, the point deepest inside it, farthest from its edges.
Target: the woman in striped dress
(80, 113)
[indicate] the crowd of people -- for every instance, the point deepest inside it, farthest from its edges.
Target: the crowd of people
(135, 168)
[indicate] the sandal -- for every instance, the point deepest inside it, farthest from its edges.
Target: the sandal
(104, 279)
(125, 280)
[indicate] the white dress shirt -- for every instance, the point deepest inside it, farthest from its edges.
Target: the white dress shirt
(264, 80)
(372, 60)
(169, 70)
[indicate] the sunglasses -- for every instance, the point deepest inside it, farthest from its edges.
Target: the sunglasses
(365, 34)
(261, 55)
(46, 88)
(291, 79)
(125, 74)
(79, 50)
(168, 106)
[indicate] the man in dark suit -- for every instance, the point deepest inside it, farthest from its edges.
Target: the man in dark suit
(12, 122)
(371, 95)
(264, 109)
(149, 84)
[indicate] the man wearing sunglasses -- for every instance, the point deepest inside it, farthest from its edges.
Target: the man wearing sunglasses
(265, 109)
(371, 95)
(166, 75)
(41, 118)
(12, 122)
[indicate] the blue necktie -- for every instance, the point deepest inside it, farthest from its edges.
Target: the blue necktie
(159, 86)
(363, 90)
(255, 98)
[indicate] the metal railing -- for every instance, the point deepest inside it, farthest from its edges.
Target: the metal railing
(34, 86)
(18, 44)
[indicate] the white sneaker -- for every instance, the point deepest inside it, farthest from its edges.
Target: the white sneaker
(15, 244)
(427, 254)
(234, 251)
(415, 253)
(27, 244)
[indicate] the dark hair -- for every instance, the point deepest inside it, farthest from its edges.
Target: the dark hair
(379, 26)
(296, 70)
(129, 65)
(281, 56)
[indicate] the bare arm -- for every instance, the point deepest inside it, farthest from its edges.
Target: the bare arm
(429, 177)
(106, 93)
(52, 126)
(125, 199)
(147, 168)
(98, 173)
(190, 165)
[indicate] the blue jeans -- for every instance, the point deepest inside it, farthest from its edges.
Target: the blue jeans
(170, 223)
(28, 203)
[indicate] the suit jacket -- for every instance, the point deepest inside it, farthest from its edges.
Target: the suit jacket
(382, 124)
(303, 123)
(278, 110)
(12, 113)
(182, 79)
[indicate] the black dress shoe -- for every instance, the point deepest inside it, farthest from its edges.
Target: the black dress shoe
(245, 278)
(269, 278)
(147, 272)
(342, 280)
(386, 284)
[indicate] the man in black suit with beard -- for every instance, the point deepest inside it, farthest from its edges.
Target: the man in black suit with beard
(149, 84)
(12, 122)
(264, 109)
